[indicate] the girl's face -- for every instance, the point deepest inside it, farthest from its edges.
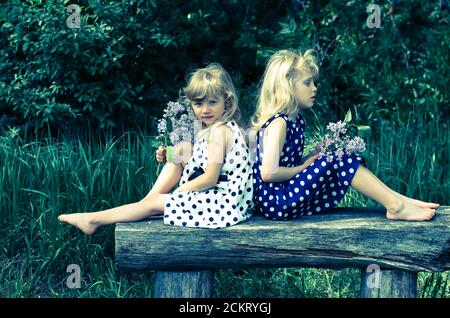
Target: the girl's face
(305, 90)
(209, 109)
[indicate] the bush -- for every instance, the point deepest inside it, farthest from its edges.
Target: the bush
(128, 59)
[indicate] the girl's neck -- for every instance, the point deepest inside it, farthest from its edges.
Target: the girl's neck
(294, 116)
(204, 126)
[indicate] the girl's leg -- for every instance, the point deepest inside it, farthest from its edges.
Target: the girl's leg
(89, 222)
(152, 204)
(168, 178)
(419, 203)
(171, 173)
(396, 208)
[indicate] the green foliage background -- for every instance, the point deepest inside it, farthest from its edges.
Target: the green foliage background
(129, 58)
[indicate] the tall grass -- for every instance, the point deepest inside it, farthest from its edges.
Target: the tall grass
(44, 178)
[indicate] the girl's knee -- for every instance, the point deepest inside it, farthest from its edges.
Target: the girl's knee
(183, 152)
(147, 201)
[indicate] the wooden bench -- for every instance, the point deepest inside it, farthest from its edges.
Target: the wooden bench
(185, 258)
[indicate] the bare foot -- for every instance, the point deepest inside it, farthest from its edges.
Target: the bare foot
(81, 221)
(406, 211)
(421, 204)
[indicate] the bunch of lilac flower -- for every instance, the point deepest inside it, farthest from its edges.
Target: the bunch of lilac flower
(337, 142)
(176, 125)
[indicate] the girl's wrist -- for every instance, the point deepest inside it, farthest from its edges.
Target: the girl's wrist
(301, 168)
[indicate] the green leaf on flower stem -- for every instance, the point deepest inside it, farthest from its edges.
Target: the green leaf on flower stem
(155, 143)
(169, 153)
(348, 116)
(364, 131)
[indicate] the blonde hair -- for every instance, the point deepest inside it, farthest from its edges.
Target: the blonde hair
(213, 81)
(277, 88)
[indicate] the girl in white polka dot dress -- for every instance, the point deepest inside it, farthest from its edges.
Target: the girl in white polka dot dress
(214, 175)
(288, 185)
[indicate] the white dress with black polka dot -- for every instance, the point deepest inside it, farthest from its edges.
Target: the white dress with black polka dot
(225, 204)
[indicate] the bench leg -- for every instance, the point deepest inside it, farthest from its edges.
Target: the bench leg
(184, 284)
(389, 284)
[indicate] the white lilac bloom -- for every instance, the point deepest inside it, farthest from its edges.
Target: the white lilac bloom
(177, 124)
(338, 127)
(174, 136)
(162, 125)
(187, 135)
(356, 145)
(339, 153)
(175, 108)
(331, 127)
(329, 158)
(336, 141)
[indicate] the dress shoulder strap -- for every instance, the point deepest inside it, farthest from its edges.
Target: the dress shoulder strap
(279, 114)
(235, 127)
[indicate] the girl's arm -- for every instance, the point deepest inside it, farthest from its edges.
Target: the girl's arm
(306, 157)
(273, 142)
(312, 153)
(216, 154)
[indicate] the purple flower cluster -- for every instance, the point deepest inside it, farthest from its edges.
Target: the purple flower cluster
(338, 142)
(337, 128)
(177, 124)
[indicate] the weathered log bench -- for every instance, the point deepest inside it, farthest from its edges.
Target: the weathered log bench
(185, 258)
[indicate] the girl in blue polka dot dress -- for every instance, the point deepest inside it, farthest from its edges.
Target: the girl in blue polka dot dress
(286, 183)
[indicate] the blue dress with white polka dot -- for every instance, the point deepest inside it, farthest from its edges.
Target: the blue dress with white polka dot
(312, 191)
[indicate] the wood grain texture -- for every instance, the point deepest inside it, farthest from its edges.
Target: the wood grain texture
(184, 284)
(344, 237)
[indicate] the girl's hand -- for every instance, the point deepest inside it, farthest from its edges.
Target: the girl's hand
(311, 159)
(161, 154)
(318, 147)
